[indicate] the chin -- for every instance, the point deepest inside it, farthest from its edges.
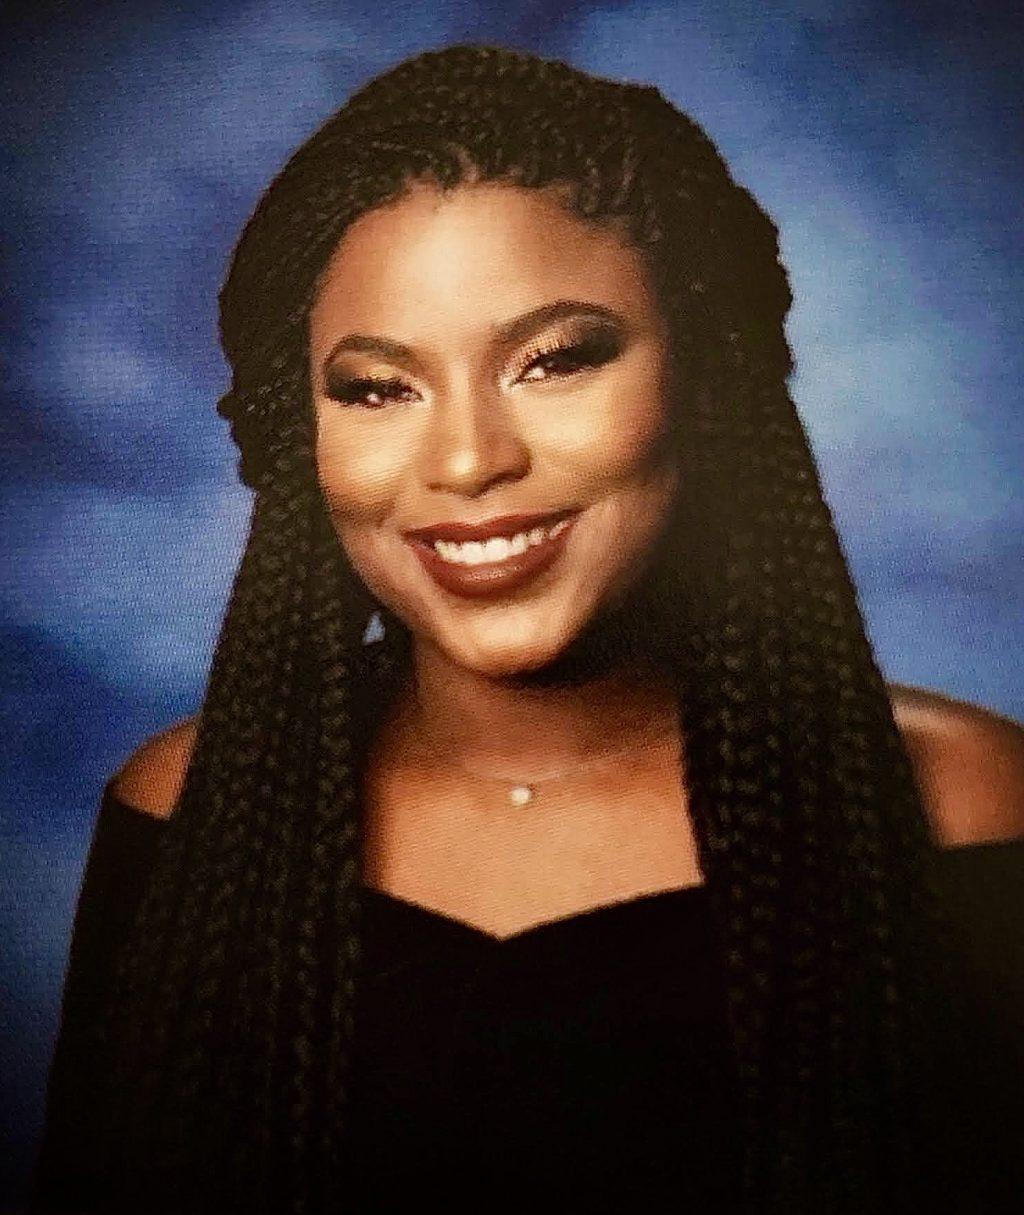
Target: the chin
(507, 659)
(507, 663)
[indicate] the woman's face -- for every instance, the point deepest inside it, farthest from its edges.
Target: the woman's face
(491, 384)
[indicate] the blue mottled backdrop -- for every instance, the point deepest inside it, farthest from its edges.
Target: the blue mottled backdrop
(884, 138)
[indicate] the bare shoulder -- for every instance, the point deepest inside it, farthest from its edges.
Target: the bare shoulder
(152, 777)
(969, 762)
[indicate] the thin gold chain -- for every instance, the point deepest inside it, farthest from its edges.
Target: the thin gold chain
(531, 784)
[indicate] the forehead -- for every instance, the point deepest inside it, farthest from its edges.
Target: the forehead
(437, 265)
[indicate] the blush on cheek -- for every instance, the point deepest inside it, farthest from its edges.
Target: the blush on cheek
(615, 463)
(357, 484)
(613, 437)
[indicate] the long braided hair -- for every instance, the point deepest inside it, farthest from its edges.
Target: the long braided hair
(231, 1025)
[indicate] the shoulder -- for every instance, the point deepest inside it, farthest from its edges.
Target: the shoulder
(969, 763)
(151, 778)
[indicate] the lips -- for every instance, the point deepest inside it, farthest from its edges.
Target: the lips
(503, 525)
(497, 577)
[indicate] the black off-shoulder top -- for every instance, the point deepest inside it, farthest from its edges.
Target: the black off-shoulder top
(583, 1061)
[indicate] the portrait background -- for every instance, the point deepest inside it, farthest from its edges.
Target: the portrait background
(137, 137)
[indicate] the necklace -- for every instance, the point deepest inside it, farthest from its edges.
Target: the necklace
(523, 792)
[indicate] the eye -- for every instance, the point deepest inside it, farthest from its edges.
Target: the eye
(366, 392)
(567, 358)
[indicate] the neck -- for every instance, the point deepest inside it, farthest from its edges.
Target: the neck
(604, 694)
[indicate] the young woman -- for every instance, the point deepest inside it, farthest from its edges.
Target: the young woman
(547, 830)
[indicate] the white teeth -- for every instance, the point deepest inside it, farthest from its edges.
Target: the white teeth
(498, 548)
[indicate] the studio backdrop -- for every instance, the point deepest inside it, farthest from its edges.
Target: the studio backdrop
(136, 140)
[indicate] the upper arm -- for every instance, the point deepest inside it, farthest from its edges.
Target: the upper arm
(969, 763)
(151, 778)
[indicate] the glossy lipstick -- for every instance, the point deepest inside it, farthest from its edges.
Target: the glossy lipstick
(498, 576)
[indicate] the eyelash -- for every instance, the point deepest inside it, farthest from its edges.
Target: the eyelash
(590, 351)
(352, 391)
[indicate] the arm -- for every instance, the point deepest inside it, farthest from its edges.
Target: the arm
(121, 853)
(970, 767)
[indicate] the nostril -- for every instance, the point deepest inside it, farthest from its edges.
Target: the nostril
(473, 466)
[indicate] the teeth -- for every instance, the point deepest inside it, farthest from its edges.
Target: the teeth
(498, 548)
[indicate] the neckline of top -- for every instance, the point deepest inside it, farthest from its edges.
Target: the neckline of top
(631, 905)
(397, 905)
(694, 892)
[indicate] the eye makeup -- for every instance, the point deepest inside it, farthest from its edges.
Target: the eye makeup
(355, 391)
(580, 346)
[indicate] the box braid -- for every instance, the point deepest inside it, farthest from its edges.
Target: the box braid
(226, 1048)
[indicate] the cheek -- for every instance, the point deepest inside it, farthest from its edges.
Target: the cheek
(358, 472)
(617, 440)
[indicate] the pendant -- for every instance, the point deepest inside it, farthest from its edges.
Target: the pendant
(520, 795)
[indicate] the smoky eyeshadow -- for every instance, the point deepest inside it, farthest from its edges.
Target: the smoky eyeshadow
(597, 343)
(589, 342)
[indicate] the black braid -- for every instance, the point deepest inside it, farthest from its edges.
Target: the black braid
(234, 1008)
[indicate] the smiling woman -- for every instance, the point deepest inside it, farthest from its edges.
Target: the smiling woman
(530, 390)
(606, 868)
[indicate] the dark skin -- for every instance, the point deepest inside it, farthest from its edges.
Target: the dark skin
(449, 385)
(969, 763)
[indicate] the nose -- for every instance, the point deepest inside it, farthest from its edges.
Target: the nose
(472, 442)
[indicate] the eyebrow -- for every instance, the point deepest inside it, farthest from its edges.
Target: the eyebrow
(510, 332)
